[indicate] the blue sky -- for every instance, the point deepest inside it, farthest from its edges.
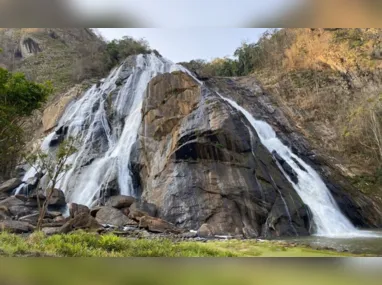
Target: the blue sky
(190, 43)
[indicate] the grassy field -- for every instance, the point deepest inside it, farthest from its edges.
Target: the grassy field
(81, 244)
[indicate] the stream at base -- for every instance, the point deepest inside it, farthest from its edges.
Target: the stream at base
(370, 242)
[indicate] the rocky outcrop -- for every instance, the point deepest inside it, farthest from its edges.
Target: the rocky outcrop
(111, 216)
(360, 209)
(120, 201)
(55, 110)
(202, 164)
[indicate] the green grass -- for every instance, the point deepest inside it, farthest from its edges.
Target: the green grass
(82, 244)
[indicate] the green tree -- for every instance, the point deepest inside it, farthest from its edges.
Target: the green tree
(18, 98)
(118, 50)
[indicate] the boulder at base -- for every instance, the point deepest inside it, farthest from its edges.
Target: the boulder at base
(120, 201)
(81, 221)
(57, 199)
(9, 185)
(111, 216)
(16, 227)
(157, 225)
(76, 209)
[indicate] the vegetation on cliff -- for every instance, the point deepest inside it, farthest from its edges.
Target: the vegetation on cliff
(18, 98)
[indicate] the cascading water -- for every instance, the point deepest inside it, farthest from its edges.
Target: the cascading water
(106, 121)
(327, 217)
(107, 129)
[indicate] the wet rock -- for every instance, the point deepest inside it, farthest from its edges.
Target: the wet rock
(94, 211)
(20, 211)
(204, 231)
(35, 199)
(142, 206)
(201, 162)
(157, 225)
(20, 171)
(57, 199)
(286, 167)
(120, 201)
(136, 215)
(112, 216)
(56, 140)
(10, 185)
(81, 221)
(76, 209)
(16, 226)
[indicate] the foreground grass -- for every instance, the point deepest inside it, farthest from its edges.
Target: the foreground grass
(82, 244)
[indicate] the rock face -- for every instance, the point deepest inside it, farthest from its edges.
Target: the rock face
(201, 163)
(361, 210)
(54, 111)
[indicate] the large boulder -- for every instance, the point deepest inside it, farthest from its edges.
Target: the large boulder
(10, 185)
(120, 201)
(157, 225)
(12, 201)
(81, 221)
(143, 206)
(16, 226)
(111, 216)
(57, 199)
(76, 209)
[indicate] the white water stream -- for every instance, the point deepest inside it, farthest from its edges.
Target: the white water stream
(87, 120)
(327, 217)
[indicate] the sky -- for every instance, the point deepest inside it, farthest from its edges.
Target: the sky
(185, 44)
(189, 13)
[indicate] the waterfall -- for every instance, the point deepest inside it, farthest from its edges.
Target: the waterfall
(327, 217)
(105, 121)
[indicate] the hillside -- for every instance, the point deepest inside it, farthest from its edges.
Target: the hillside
(63, 56)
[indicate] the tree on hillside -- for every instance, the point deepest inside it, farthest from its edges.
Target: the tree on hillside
(18, 98)
(118, 50)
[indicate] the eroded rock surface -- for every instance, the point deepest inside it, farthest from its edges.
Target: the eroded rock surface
(201, 163)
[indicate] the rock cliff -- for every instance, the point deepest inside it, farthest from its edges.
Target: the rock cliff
(203, 166)
(197, 163)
